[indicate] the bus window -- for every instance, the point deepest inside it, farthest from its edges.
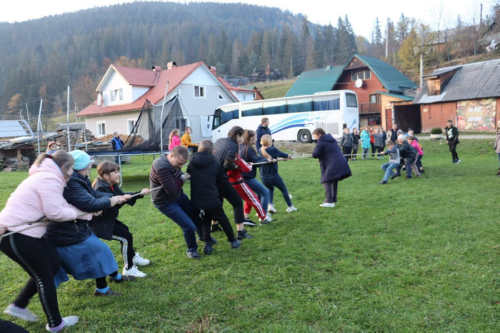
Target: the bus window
(278, 109)
(252, 112)
(329, 104)
(300, 107)
(217, 117)
(350, 100)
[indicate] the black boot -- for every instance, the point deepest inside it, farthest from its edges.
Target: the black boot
(243, 234)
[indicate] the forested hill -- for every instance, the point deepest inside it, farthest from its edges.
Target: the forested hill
(39, 58)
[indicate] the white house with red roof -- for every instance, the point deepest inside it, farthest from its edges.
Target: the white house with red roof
(123, 91)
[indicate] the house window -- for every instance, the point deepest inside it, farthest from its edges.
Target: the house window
(367, 75)
(130, 125)
(199, 91)
(354, 76)
(374, 99)
(120, 93)
(101, 128)
(113, 95)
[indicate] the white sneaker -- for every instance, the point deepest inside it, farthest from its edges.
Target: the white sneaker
(267, 220)
(291, 209)
(20, 313)
(328, 204)
(290, 196)
(67, 321)
(140, 261)
(270, 209)
(133, 271)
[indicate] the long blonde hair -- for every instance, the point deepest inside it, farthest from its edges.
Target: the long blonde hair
(266, 141)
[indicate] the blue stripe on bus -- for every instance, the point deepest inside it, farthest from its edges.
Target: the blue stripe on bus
(289, 126)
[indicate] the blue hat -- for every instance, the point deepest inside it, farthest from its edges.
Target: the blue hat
(82, 159)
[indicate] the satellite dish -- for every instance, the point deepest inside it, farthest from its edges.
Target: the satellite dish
(358, 83)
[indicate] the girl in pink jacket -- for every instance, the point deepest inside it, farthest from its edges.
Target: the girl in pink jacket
(40, 196)
(173, 139)
(420, 152)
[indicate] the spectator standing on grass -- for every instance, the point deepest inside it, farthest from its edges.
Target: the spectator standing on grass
(117, 142)
(262, 130)
(186, 140)
(452, 138)
(173, 139)
(355, 143)
(379, 141)
(372, 140)
(394, 133)
(365, 141)
(333, 165)
(497, 146)
(346, 143)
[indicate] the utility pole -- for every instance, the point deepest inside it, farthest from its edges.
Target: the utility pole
(387, 41)
(27, 114)
(39, 125)
(67, 119)
(480, 16)
(421, 69)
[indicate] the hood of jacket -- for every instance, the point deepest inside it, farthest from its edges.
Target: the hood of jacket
(48, 166)
(327, 138)
(202, 160)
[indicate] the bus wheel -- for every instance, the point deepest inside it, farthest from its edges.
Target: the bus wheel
(304, 136)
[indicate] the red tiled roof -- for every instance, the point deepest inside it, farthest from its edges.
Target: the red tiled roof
(174, 76)
(137, 76)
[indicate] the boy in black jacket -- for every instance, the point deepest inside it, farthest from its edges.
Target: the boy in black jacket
(206, 176)
(107, 225)
(452, 138)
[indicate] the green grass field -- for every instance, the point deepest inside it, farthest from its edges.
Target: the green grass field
(411, 256)
(275, 89)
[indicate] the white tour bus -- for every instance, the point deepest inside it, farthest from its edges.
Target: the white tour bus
(291, 118)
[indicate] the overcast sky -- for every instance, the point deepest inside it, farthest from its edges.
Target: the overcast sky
(361, 13)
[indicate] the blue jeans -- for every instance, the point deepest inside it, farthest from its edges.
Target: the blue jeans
(388, 167)
(273, 181)
(181, 212)
(261, 191)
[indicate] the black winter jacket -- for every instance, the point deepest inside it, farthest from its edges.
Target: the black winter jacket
(103, 224)
(79, 193)
(169, 177)
(347, 140)
(331, 160)
(206, 175)
(225, 152)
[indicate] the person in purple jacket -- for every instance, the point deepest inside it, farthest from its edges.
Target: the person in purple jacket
(333, 165)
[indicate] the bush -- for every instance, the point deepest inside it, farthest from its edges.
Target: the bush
(436, 130)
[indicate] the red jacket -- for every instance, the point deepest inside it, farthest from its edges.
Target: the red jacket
(235, 175)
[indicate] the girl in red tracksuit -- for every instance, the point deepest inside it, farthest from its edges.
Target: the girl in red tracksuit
(245, 192)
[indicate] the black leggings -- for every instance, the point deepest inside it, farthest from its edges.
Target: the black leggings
(331, 191)
(229, 193)
(205, 222)
(40, 260)
(122, 234)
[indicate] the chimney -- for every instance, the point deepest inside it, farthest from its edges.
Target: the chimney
(213, 69)
(171, 64)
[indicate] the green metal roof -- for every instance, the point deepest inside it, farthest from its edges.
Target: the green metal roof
(324, 79)
(392, 79)
(403, 97)
(316, 80)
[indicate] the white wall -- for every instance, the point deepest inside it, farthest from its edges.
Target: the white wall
(200, 108)
(244, 96)
(114, 122)
(116, 81)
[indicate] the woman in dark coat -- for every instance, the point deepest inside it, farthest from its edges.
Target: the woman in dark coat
(333, 165)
